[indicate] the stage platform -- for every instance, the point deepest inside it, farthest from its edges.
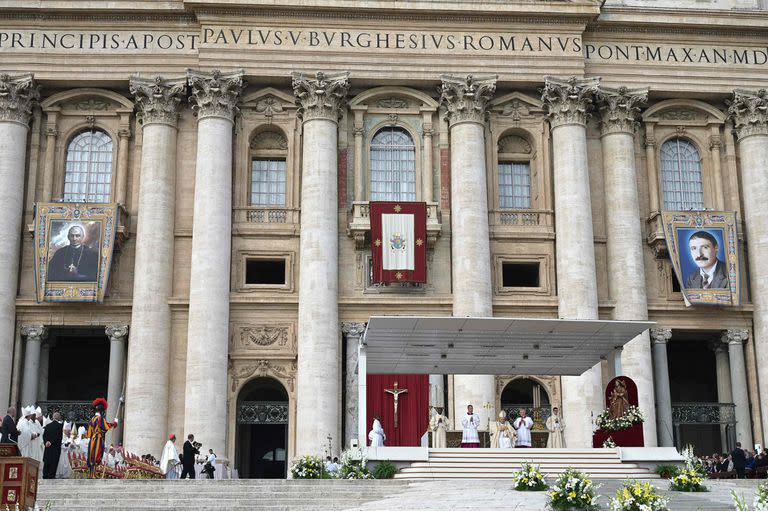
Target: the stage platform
(618, 463)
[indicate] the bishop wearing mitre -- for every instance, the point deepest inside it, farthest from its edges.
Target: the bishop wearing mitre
(502, 433)
(470, 423)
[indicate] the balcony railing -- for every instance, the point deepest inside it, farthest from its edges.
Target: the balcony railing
(703, 413)
(510, 223)
(78, 411)
(513, 410)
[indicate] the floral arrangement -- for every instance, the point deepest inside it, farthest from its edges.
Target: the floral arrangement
(307, 467)
(572, 490)
(760, 503)
(353, 465)
(688, 479)
(693, 463)
(609, 443)
(634, 496)
(529, 478)
(632, 416)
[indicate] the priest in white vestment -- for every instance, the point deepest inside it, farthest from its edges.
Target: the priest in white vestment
(469, 423)
(27, 432)
(170, 459)
(523, 425)
(438, 425)
(38, 440)
(502, 432)
(64, 469)
(376, 435)
(555, 426)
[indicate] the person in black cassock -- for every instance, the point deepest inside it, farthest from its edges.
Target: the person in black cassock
(52, 434)
(739, 460)
(188, 461)
(9, 432)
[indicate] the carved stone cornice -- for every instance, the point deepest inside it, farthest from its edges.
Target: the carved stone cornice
(749, 112)
(619, 108)
(466, 99)
(158, 99)
(116, 332)
(17, 95)
(735, 336)
(215, 94)
(353, 329)
(568, 101)
(285, 371)
(34, 332)
(320, 96)
(661, 335)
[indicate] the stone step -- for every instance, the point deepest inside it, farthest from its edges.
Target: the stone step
(463, 475)
(625, 468)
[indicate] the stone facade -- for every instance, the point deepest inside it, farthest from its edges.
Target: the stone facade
(192, 93)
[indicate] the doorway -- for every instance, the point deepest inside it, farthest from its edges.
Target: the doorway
(262, 430)
(519, 394)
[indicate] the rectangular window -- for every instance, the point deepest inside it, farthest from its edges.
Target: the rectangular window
(268, 182)
(265, 271)
(514, 185)
(520, 274)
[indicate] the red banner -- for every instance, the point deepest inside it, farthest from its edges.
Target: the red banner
(412, 407)
(399, 241)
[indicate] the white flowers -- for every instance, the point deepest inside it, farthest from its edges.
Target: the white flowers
(632, 416)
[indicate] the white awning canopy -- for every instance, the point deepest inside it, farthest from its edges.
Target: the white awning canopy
(452, 345)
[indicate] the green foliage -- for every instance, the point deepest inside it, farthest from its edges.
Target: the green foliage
(687, 480)
(667, 471)
(635, 496)
(307, 467)
(384, 470)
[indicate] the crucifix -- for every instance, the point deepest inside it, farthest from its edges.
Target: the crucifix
(396, 393)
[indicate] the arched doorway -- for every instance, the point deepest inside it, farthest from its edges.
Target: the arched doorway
(261, 445)
(519, 394)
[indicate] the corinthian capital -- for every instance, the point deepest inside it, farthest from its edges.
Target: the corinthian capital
(749, 111)
(320, 96)
(353, 329)
(215, 94)
(116, 332)
(157, 99)
(619, 108)
(735, 336)
(34, 332)
(466, 99)
(661, 335)
(568, 100)
(17, 93)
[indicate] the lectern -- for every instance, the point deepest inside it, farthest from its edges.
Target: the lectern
(18, 478)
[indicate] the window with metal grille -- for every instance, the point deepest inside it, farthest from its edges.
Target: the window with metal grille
(268, 182)
(514, 185)
(681, 175)
(88, 168)
(393, 165)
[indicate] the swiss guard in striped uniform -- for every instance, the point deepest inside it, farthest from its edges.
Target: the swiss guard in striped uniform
(97, 428)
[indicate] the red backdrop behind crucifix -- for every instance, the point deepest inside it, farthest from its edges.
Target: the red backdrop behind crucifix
(412, 407)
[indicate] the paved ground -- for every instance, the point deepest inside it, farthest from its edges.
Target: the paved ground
(485, 494)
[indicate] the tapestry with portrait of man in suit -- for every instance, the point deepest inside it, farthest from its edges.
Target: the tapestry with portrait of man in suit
(703, 247)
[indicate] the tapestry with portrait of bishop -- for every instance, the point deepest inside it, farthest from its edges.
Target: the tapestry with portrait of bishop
(73, 250)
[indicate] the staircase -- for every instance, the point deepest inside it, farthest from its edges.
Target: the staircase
(502, 463)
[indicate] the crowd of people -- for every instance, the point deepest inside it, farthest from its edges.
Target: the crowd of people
(739, 463)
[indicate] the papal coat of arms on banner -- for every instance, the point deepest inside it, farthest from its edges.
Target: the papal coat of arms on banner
(704, 249)
(398, 241)
(73, 250)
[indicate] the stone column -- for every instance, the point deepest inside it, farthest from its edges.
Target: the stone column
(51, 135)
(353, 331)
(660, 337)
(321, 99)
(17, 94)
(359, 132)
(117, 334)
(749, 112)
(567, 102)
(735, 341)
(465, 100)
(34, 335)
(618, 114)
(146, 405)
(214, 98)
(427, 184)
(723, 371)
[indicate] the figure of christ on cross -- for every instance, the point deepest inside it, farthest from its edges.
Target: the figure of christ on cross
(396, 394)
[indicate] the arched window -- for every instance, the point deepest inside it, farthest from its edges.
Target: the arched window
(88, 168)
(393, 165)
(681, 175)
(269, 150)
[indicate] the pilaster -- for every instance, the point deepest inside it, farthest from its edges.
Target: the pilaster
(353, 331)
(660, 337)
